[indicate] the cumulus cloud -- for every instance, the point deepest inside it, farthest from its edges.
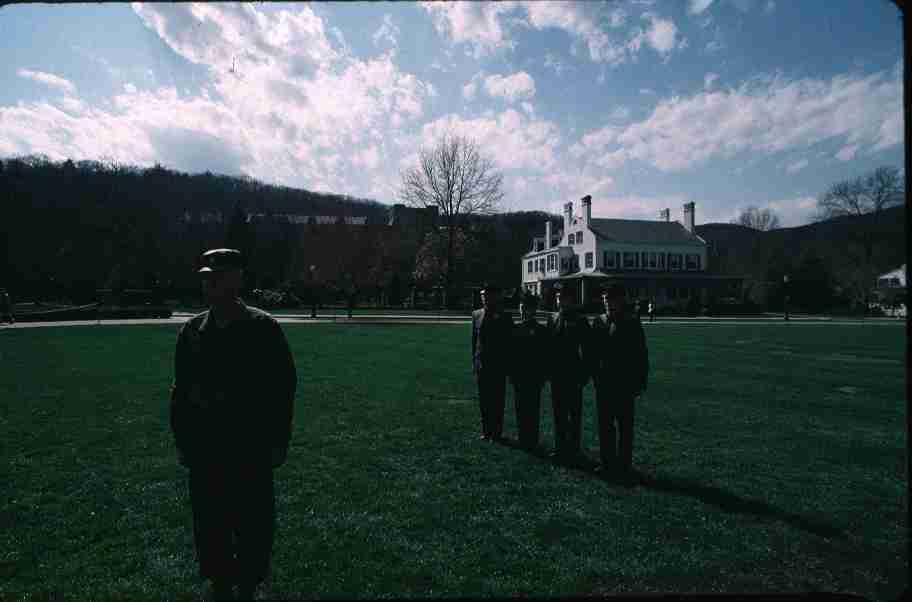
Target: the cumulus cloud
(767, 115)
(510, 87)
(513, 139)
(474, 23)
(484, 25)
(470, 90)
(48, 79)
(795, 211)
(698, 6)
(387, 33)
(797, 166)
(282, 103)
(847, 153)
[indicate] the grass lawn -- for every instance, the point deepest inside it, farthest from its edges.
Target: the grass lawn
(774, 460)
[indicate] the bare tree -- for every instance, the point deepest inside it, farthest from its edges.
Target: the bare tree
(455, 178)
(758, 219)
(867, 195)
(871, 193)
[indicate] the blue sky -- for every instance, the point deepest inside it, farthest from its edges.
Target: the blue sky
(641, 104)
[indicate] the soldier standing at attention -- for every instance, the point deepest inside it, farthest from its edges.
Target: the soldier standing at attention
(528, 370)
(569, 337)
(620, 374)
(231, 413)
(490, 343)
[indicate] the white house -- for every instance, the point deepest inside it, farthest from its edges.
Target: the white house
(660, 260)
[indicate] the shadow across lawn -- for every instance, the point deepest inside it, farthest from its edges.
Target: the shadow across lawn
(708, 494)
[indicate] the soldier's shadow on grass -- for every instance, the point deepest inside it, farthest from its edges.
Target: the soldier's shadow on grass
(729, 502)
(714, 496)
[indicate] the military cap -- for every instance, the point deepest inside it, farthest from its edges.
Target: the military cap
(221, 260)
(490, 287)
(613, 291)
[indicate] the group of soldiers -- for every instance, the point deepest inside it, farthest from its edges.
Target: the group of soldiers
(567, 352)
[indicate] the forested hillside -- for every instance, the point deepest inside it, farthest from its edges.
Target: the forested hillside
(69, 229)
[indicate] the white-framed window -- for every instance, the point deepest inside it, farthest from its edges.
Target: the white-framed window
(609, 260)
(529, 266)
(693, 261)
(630, 260)
(552, 262)
(674, 261)
(653, 261)
(589, 259)
(579, 238)
(661, 261)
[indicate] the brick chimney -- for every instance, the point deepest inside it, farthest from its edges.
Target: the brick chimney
(568, 216)
(665, 215)
(547, 234)
(689, 216)
(587, 208)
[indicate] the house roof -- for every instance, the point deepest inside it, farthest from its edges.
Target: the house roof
(644, 231)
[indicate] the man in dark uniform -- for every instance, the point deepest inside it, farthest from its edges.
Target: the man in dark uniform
(621, 367)
(231, 413)
(491, 331)
(568, 332)
(528, 371)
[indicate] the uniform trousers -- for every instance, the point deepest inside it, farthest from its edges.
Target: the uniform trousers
(616, 444)
(492, 391)
(527, 400)
(567, 402)
(233, 522)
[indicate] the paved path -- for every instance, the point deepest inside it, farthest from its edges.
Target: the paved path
(406, 319)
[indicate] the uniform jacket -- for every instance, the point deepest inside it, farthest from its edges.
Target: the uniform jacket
(529, 352)
(490, 341)
(232, 400)
(568, 332)
(621, 358)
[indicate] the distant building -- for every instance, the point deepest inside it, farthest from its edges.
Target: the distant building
(661, 260)
(894, 279)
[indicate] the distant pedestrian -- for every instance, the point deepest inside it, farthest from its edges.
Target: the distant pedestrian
(568, 332)
(528, 371)
(6, 308)
(621, 367)
(652, 315)
(231, 415)
(491, 331)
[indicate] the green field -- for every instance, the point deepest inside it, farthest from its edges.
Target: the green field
(774, 459)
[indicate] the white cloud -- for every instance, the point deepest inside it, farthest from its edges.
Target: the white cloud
(662, 34)
(291, 112)
(767, 115)
(511, 138)
(48, 79)
(528, 108)
(698, 6)
(469, 90)
(511, 87)
(797, 166)
(388, 33)
(484, 26)
(475, 23)
(709, 79)
(847, 153)
(795, 211)
(770, 7)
